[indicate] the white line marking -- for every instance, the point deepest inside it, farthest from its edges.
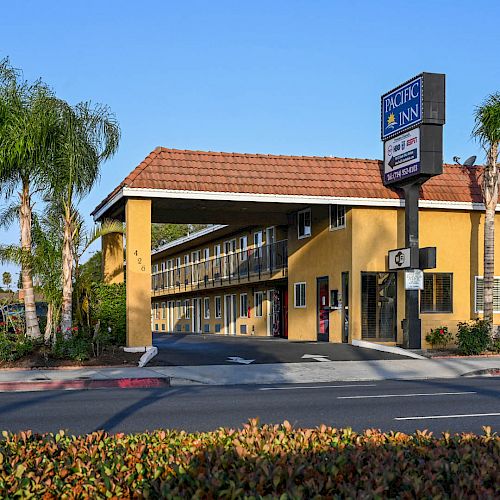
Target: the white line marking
(407, 395)
(316, 357)
(450, 416)
(311, 387)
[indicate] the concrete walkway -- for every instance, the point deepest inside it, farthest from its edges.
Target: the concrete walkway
(272, 373)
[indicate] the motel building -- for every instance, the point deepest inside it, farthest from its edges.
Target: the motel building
(296, 247)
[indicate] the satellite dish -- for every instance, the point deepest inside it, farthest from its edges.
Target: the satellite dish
(469, 162)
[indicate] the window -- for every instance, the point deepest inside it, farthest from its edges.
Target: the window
(187, 309)
(299, 295)
(179, 309)
(243, 305)
(206, 308)
(304, 224)
(157, 312)
(186, 259)
(178, 267)
(258, 298)
(217, 256)
(479, 303)
(337, 217)
(437, 295)
(163, 310)
(218, 307)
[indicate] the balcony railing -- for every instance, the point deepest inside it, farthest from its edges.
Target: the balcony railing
(246, 265)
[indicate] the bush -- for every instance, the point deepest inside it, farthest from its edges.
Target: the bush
(268, 461)
(14, 346)
(109, 309)
(75, 345)
(439, 337)
(473, 337)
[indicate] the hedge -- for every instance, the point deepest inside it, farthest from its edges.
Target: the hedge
(267, 461)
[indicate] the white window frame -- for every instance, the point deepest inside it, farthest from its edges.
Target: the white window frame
(187, 309)
(298, 296)
(334, 224)
(255, 302)
(243, 313)
(243, 247)
(163, 310)
(178, 306)
(496, 280)
(305, 235)
(206, 310)
(218, 310)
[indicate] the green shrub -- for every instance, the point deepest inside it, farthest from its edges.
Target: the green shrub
(109, 308)
(256, 462)
(473, 337)
(439, 337)
(495, 345)
(15, 346)
(75, 345)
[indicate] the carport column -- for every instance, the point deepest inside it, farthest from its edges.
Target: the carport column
(112, 258)
(138, 272)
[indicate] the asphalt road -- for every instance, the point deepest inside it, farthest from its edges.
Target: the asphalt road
(455, 405)
(193, 350)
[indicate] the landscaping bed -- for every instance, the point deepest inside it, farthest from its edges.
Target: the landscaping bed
(256, 462)
(43, 357)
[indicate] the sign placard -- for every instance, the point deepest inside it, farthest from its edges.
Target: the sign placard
(402, 108)
(399, 259)
(414, 279)
(402, 156)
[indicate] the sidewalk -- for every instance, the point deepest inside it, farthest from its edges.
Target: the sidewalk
(277, 373)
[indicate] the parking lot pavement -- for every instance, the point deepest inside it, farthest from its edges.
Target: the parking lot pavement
(192, 350)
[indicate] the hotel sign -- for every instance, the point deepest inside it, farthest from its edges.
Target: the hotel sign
(402, 108)
(402, 156)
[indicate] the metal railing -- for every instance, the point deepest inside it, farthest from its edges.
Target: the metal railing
(255, 263)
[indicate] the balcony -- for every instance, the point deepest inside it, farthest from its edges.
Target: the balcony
(268, 262)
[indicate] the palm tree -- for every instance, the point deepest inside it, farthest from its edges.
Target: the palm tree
(487, 132)
(27, 126)
(88, 136)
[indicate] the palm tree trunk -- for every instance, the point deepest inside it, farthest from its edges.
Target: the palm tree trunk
(67, 272)
(490, 202)
(25, 212)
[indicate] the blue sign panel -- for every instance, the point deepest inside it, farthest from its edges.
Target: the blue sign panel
(402, 108)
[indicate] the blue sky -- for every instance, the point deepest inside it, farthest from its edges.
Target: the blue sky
(283, 77)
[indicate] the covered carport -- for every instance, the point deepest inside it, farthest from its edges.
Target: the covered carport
(177, 186)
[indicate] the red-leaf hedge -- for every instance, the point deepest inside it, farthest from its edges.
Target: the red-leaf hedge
(257, 461)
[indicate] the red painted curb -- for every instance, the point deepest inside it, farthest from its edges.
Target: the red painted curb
(78, 384)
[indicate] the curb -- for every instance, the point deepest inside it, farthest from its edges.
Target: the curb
(487, 372)
(386, 348)
(79, 384)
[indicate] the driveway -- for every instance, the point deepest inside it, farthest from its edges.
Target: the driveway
(193, 350)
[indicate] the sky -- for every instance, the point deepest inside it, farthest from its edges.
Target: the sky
(282, 77)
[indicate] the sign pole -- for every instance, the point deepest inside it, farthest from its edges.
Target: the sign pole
(412, 323)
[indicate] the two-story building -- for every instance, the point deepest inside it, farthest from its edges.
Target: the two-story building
(299, 248)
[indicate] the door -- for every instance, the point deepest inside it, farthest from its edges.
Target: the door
(273, 313)
(323, 309)
(196, 322)
(345, 307)
(378, 306)
(285, 313)
(230, 314)
(229, 258)
(270, 240)
(171, 305)
(257, 252)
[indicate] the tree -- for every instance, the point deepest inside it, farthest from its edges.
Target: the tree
(487, 132)
(88, 135)
(27, 126)
(165, 233)
(7, 279)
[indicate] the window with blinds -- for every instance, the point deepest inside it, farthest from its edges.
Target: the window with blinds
(479, 302)
(437, 295)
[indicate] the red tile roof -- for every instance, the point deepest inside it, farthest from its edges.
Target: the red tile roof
(183, 170)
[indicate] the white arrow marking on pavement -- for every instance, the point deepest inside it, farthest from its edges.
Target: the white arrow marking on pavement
(237, 359)
(316, 357)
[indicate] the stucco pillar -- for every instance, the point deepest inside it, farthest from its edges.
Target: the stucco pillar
(138, 269)
(112, 258)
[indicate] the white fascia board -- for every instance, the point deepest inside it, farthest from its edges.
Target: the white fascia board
(297, 199)
(279, 198)
(189, 237)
